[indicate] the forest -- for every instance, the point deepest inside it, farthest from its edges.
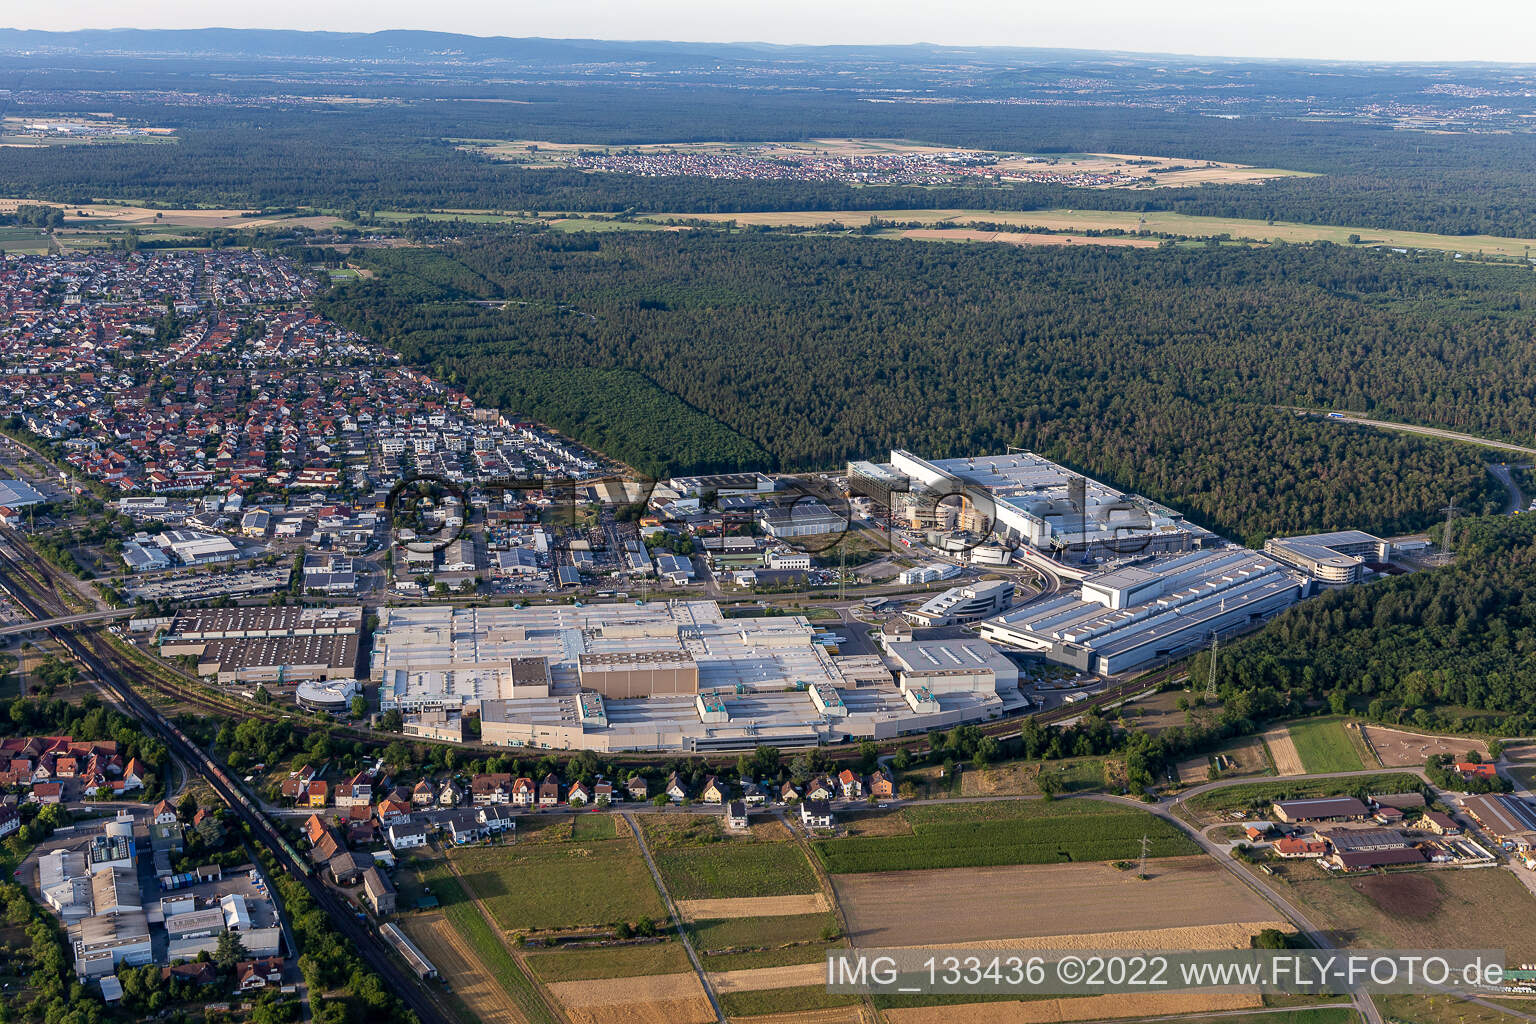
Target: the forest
(1451, 648)
(1163, 372)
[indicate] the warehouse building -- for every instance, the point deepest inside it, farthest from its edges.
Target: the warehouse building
(1507, 818)
(1024, 498)
(1335, 558)
(804, 518)
(954, 666)
(626, 677)
(273, 645)
(1160, 608)
(1333, 808)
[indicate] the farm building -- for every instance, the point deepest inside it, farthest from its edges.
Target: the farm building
(1509, 819)
(1294, 847)
(1333, 808)
(1366, 840)
(1440, 824)
(1365, 860)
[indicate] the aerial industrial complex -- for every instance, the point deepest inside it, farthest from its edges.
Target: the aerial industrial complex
(667, 675)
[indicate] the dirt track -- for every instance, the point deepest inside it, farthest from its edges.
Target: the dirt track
(903, 908)
(755, 979)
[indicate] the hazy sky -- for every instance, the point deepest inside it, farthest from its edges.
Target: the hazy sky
(1495, 30)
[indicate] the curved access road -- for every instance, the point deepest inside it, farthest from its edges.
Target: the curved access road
(1413, 428)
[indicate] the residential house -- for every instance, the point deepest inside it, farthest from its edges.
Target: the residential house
(379, 890)
(579, 794)
(1293, 847)
(317, 793)
(493, 788)
(881, 785)
(820, 789)
(816, 814)
(549, 790)
(789, 793)
(496, 818)
(406, 836)
(423, 793)
(714, 791)
(524, 792)
(850, 784)
(254, 975)
(450, 794)
(639, 788)
(736, 815)
(163, 813)
(753, 794)
(602, 793)
(676, 791)
(395, 808)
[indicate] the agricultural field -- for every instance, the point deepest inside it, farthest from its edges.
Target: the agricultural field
(1022, 832)
(1180, 224)
(649, 999)
(1186, 902)
(1073, 1008)
(759, 942)
(1283, 752)
(1399, 749)
(475, 943)
(476, 988)
(698, 861)
(799, 1004)
(542, 886)
(1415, 909)
(1020, 778)
(594, 963)
(1246, 755)
(1446, 1009)
(1326, 745)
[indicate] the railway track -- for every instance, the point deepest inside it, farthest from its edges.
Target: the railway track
(368, 943)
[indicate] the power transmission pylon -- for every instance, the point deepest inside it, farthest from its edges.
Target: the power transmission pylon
(1446, 540)
(1210, 681)
(1141, 872)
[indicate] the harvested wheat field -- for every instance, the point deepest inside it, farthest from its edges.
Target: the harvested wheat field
(658, 999)
(1050, 1011)
(461, 968)
(1283, 750)
(1399, 749)
(1235, 935)
(753, 906)
(880, 823)
(904, 908)
(756, 979)
(826, 1015)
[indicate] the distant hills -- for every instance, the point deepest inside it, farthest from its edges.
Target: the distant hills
(412, 45)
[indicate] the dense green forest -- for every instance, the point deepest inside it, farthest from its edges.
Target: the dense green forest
(399, 153)
(1163, 372)
(1459, 637)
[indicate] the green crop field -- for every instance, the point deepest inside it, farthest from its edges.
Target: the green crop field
(549, 885)
(593, 826)
(1324, 746)
(781, 1000)
(752, 942)
(736, 867)
(993, 834)
(610, 962)
(698, 861)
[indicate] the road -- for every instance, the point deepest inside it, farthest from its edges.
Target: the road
(1413, 428)
(69, 620)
